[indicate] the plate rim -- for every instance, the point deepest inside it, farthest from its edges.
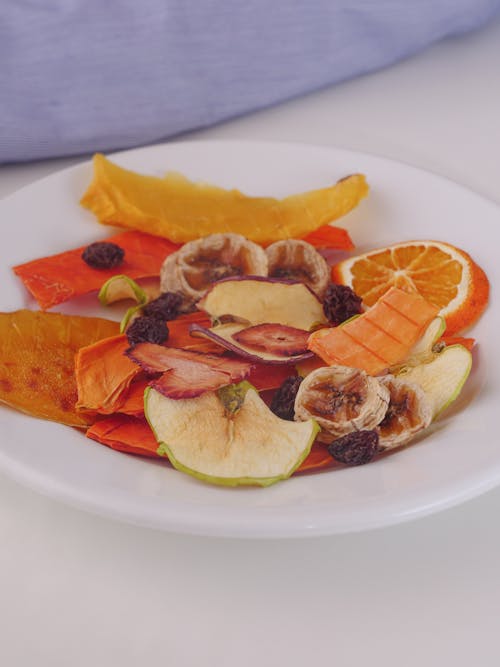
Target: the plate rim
(34, 480)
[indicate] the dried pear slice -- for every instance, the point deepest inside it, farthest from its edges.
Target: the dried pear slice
(294, 259)
(341, 399)
(409, 412)
(192, 269)
(228, 442)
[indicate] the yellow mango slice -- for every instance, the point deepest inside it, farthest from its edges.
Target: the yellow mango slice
(180, 210)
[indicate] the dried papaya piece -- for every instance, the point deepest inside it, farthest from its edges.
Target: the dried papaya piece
(57, 278)
(37, 361)
(125, 434)
(104, 374)
(331, 237)
(180, 210)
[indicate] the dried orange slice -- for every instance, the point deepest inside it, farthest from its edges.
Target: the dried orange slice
(444, 275)
(180, 210)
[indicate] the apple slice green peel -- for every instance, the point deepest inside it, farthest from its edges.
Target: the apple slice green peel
(119, 288)
(229, 437)
(443, 377)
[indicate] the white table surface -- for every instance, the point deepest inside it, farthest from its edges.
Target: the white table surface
(79, 590)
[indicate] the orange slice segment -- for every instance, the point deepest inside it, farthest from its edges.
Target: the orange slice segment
(444, 275)
(180, 210)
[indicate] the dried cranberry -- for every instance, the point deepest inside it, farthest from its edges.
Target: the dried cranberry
(147, 330)
(356, 448)
(103, 255)
(283, 400)
(340, 303)
(165, 307)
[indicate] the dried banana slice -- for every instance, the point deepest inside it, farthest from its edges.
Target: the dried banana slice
(298, 260)
(342, 400)
(198, 264)
(408, 413)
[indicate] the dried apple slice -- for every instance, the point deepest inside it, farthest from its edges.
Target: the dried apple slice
(262, 300)
(228, 439)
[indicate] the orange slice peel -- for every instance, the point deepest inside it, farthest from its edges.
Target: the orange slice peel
(443, 274)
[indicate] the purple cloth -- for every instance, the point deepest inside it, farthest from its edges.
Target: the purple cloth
(79, 76)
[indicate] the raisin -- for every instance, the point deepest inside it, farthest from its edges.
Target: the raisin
(165, 307)
(103, 255)
(340, 303)
(283, 400)
(356, 448)
(147, 330)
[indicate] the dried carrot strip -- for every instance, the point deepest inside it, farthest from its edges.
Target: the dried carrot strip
(57, 278)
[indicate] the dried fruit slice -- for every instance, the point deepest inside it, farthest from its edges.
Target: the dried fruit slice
(380, 337)
(103, 375)
(119, 288)
(274, 338)
(442, 378)
(443, 274)
(329, 237)
(206, 439)
(297, 260)
(224, 335)
(125, 434)
(342, 400)
(198, 264)
(181, 210)
(263, 300)
(37, 362)
(186, 374)
(409, 412)
(55, 279)
(158, 358)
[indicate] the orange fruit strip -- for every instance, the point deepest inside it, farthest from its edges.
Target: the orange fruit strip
(57, 278)
(380, 345)
(180, 210)
(444, 275)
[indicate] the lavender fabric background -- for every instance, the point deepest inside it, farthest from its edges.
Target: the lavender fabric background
(78, 76)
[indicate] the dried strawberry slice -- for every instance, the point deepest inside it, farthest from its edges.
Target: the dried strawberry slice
(274, 338)
(189, 381)
(185, 373)
(154, 358)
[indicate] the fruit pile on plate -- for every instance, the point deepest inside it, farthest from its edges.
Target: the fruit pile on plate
(245, 356)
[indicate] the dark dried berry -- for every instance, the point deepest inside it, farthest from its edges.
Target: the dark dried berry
(283, 400)
(103, 255)
(340, 303)
(356, 448)
(165, 307)
(147, 330)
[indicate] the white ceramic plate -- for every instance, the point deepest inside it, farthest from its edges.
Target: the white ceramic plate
(459, 459)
